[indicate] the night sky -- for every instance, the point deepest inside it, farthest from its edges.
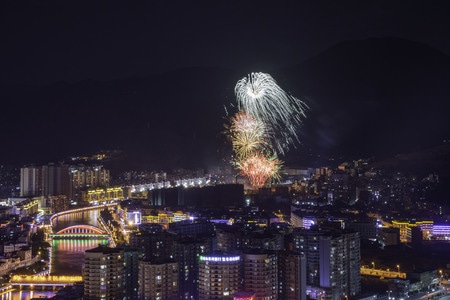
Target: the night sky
(54, 54)
(50, 41)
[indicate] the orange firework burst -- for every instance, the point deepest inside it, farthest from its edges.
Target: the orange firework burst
(259, 168)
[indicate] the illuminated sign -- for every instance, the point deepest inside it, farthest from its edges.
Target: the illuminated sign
(134, 217)
(220, 258)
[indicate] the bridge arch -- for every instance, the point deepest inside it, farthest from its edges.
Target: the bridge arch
(81, 229)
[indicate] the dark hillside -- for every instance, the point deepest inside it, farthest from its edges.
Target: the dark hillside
(376, 97)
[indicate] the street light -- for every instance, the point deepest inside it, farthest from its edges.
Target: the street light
(373, 265)
(398, 268)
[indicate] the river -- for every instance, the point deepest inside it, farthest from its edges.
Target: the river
(67, 256)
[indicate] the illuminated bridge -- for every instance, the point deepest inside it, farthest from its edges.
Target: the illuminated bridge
(190, 182)
(44, 281)
(80, 231)
(382, 273)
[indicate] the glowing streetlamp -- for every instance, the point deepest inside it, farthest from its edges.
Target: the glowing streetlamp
(373, 265)
(398, 268)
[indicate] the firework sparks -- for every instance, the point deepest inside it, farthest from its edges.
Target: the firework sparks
(247, 135)
(259, 168)
(265, 125)
(243, 122)
(259, 96)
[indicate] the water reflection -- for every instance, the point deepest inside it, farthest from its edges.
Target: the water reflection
(26, 295)
(68, 255)
(87, 217)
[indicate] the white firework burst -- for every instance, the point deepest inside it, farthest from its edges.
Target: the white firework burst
(260, 96)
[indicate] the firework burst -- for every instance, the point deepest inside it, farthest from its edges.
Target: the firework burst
(247, 135)
(243, 122)
(259, 168)
(259, 96)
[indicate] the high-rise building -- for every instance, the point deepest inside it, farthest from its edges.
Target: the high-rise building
(46, 180)
(30, 181)
(306, 242)
(87, 177)
(55, 180)
(186, 252)
(340, 265)
(230, 238)
(158, 279)
(132, 256)
(154, 244)
(219, 275)
(103, 273)
(332, 260)
(291, 276)
(261, 275)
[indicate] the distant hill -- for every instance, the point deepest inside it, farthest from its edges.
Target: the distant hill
(375, 97)
(174, 119)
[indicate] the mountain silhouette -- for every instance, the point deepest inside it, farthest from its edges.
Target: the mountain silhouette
(375, 97)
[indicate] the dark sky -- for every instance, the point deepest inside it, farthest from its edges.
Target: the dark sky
(49, 41)
(44, 42)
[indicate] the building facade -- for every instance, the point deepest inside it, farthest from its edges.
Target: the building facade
(186, 252)
(46, 180)
(30, 181)
(333, 260)
(261, 275)
(103, 273)
(291, 276)
(158, 280)
(219, 275)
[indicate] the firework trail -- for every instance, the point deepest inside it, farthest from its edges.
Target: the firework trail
(259, 96)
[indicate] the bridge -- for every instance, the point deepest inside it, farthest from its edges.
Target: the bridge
(31, 281)
(76, 210)
(189, 182)
(382, 273)
(80, 231)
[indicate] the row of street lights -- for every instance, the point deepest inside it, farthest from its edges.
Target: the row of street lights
(398, 267)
